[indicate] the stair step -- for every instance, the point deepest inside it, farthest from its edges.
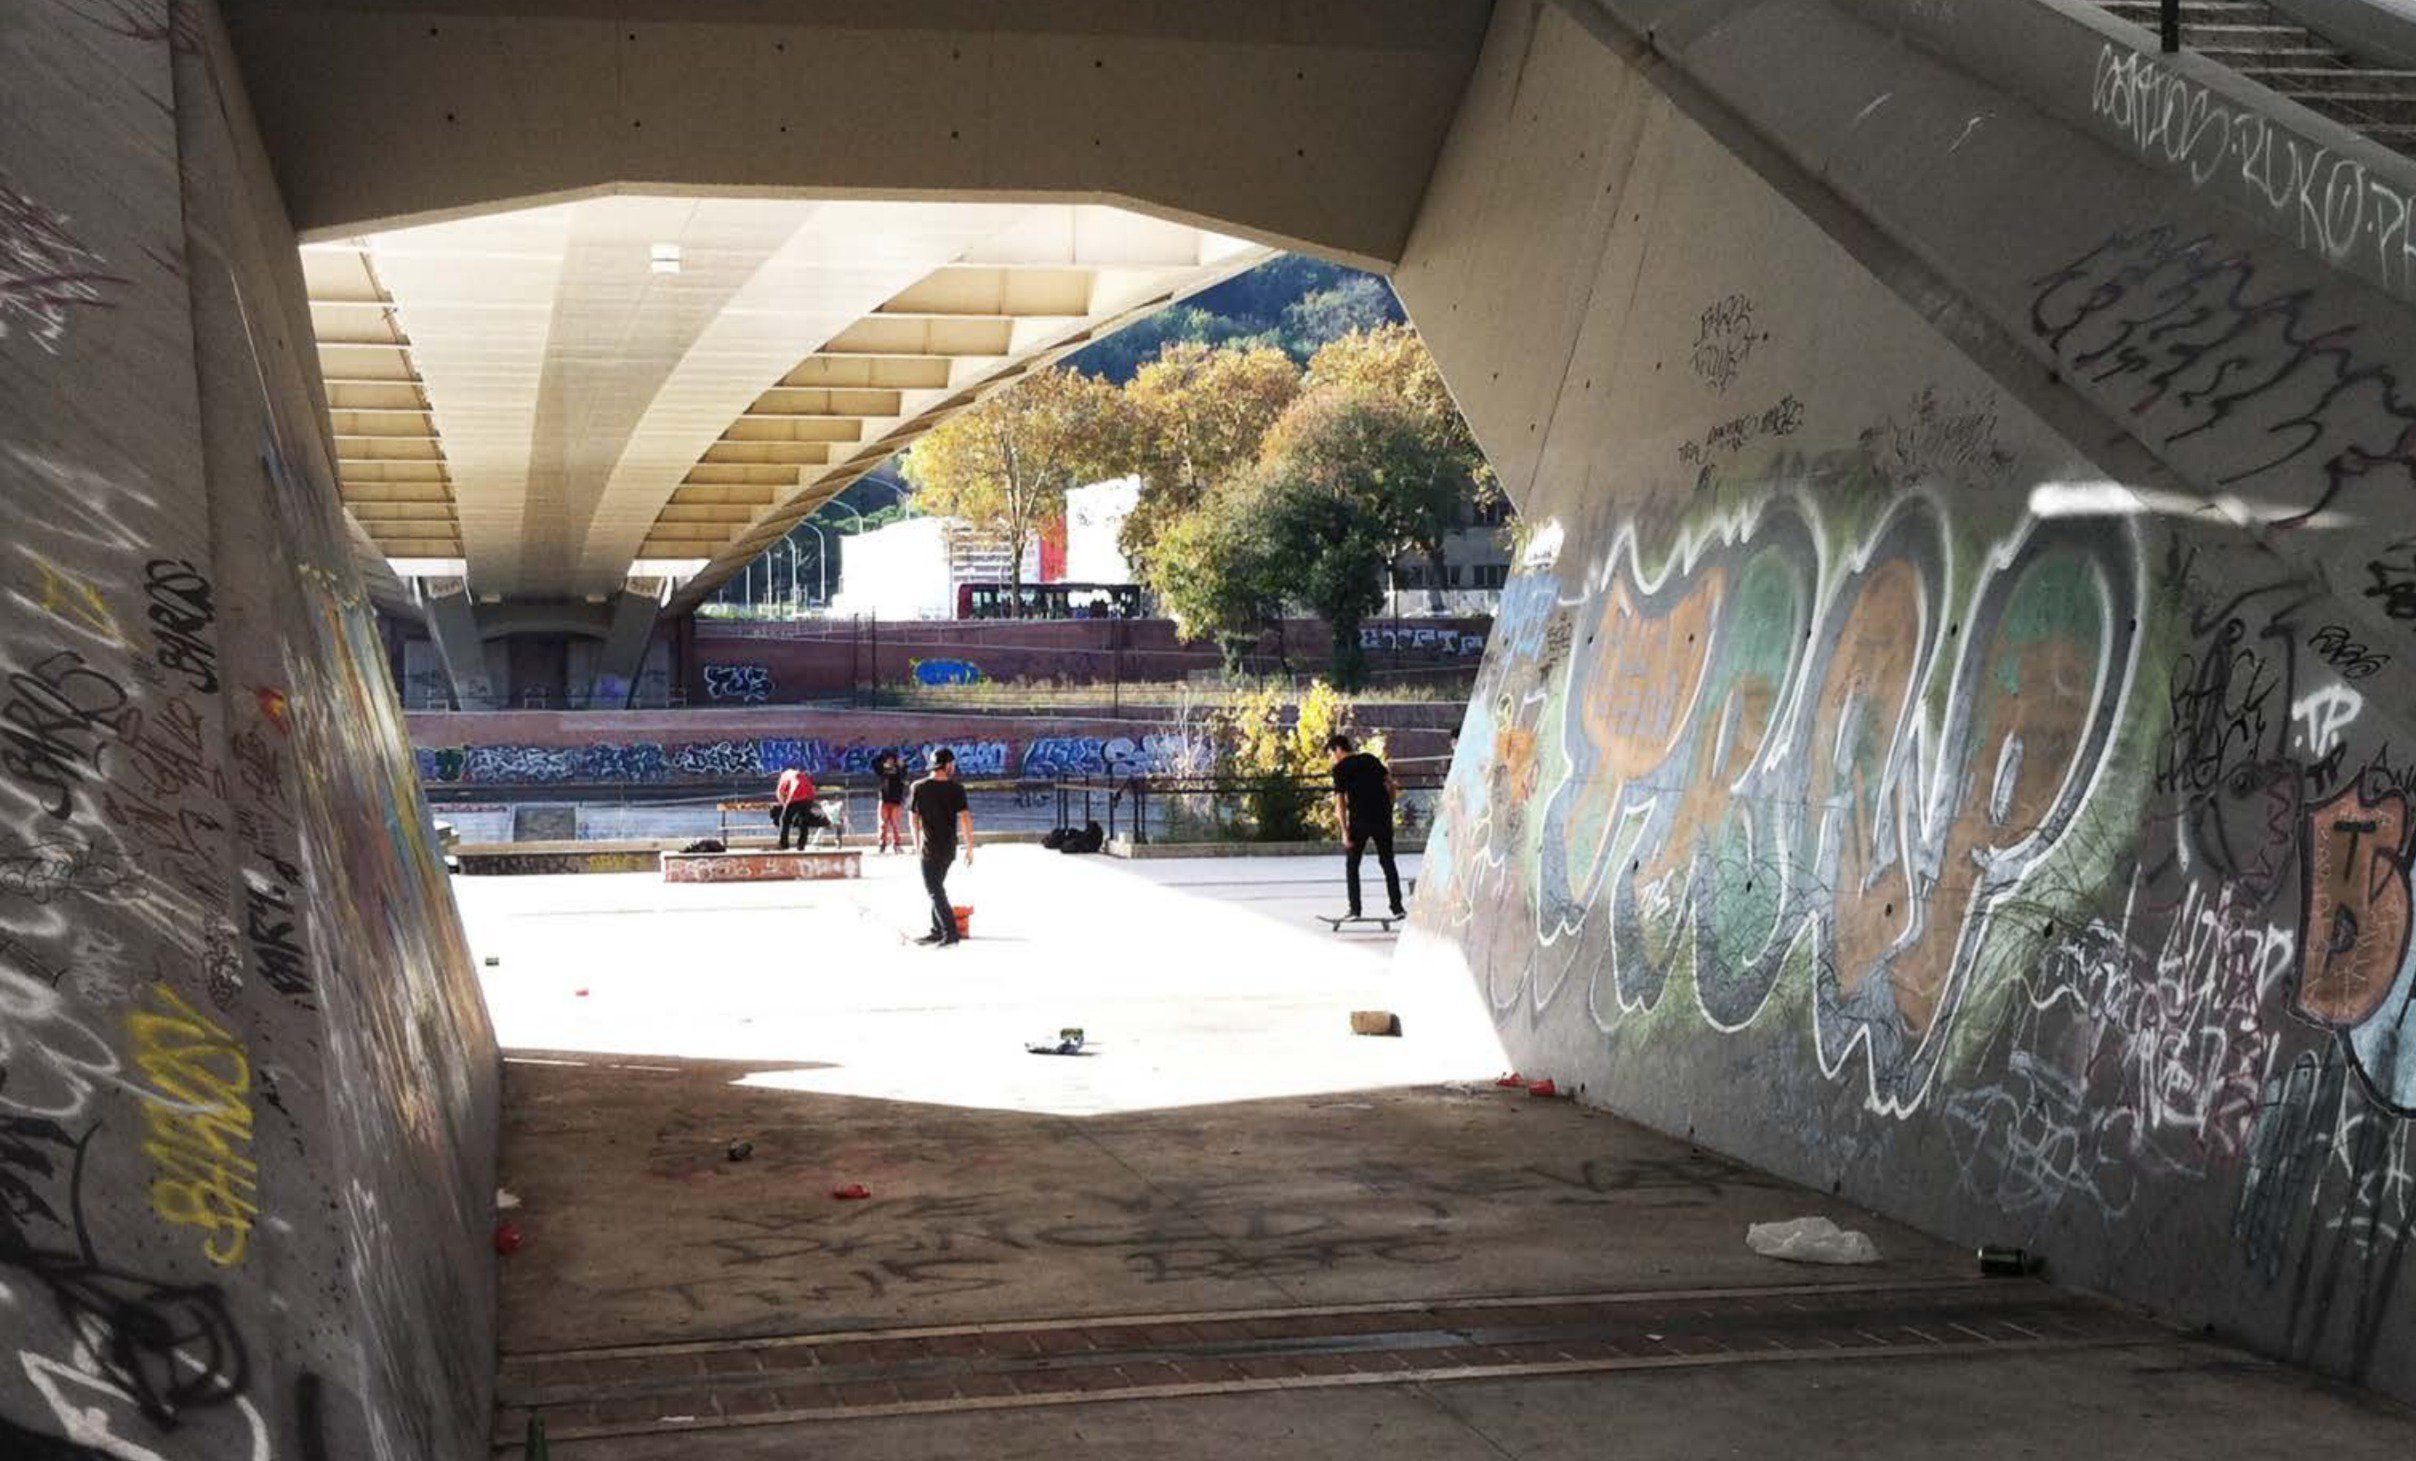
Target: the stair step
(2263, 45)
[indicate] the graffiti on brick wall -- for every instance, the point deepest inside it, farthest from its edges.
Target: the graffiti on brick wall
(944, 672)
(1148, 755)
(1421, 639)
(741, 758)
(519, 765)
(716, 759)
(747, 684)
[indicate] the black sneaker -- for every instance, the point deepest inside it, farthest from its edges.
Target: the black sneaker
(1400, 913)
(930, 939)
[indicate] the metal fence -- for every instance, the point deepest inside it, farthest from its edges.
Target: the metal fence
(1211, 808)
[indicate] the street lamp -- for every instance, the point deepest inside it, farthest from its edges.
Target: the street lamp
(821, 561)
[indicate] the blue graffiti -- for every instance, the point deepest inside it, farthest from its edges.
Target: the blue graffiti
(1051, 756)
(635, 761)
(778, 753)
(946, 672)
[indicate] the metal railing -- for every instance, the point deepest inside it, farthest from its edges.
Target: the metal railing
(1130, 806)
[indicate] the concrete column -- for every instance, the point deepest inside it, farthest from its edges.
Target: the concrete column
(624, 652)
(248, 1109)
(453, 624)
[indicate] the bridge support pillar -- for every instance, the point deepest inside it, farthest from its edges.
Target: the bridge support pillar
(623, 655)
(453, 624)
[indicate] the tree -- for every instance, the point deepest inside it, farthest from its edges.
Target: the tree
(1392, 361)
(1350, 479)
(1198, 415)
(1003, 464)
(1217, 571)
(1357, 304)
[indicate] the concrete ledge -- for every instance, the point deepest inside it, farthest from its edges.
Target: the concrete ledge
(811, 865)
(524, 859)
(1124, 847)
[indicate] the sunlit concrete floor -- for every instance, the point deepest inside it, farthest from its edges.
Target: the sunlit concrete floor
(1225, 1152)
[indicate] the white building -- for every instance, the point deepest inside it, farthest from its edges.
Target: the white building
(911, 569)
(1094, 521)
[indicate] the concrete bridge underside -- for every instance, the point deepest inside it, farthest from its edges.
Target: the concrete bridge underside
(1966, 466)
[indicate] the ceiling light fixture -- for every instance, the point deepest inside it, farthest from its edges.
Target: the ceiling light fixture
(665, 258)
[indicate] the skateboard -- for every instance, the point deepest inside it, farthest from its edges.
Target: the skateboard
(1335, 921)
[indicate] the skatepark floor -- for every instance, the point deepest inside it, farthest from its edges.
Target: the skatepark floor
(1228, 1228)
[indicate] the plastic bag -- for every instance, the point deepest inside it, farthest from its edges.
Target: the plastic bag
(1811, 1240)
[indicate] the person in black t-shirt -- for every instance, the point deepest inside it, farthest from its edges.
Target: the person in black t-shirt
(940, 812)
(1363, 808)
(892, 776)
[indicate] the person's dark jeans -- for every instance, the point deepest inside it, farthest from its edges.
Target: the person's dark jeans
(1359, 839)
(802, 817)
(935, 881)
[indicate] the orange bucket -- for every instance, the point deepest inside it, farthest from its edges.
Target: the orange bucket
(964, 919)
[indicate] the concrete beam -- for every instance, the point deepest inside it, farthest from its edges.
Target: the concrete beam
(483, 102)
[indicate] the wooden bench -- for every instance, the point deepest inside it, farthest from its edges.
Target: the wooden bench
(763, 865)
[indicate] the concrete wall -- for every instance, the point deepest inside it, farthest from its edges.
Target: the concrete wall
(1949, 741)
(247, 1089)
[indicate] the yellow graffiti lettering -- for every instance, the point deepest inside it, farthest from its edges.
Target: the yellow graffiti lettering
(67, 597)
(197, 1123)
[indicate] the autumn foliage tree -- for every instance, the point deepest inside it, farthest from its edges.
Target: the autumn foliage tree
(1197, 416)
(1350, 479)
(1003, 464)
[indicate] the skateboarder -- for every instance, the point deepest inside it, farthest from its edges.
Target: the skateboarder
(1363, 809)
(940, 815)
(892, 773)
(794, 808)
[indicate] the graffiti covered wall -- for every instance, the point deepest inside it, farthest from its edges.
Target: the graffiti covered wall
(1869, 781)
(247, 1088)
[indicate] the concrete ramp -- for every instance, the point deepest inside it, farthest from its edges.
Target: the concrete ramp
(1948, 738)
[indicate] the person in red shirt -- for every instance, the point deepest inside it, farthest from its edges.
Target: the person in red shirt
(795, 809)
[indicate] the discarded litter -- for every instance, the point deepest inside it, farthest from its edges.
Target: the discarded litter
(493, 960)
(1068, 1042)
(1375, 1022)
(851, 1192)
(741, 1149)
(1543, 1088)
(1999, 1262)
(1512, 1081)
(580, 992)
(507, 1238)
(506, 1199)
(1811, 1240)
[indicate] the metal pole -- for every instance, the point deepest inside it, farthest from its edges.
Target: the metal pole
(2171, 19)
(821, 560)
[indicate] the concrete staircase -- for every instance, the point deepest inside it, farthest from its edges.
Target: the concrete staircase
(2277, 52)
